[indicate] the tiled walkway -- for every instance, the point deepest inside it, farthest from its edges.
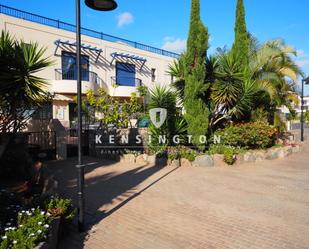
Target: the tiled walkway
(263, 205)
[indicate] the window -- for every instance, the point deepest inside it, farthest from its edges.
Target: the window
(88, 116)
(45, 112)
(125, 74)
(69, 68)
(73, 115)
(153, 74)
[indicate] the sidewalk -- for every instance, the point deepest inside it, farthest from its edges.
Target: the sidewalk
(265, 205)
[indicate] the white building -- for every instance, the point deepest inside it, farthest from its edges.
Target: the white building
(114, 63)
(285, 110)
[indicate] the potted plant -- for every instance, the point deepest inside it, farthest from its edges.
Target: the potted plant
(60, 209)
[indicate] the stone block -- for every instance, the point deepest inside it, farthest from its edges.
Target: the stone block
(203, 161)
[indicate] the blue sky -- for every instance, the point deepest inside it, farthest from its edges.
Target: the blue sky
(164, 23)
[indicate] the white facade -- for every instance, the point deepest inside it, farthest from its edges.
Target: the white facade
(285, 110)
(102, 68)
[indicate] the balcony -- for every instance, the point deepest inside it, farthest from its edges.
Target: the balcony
(126, 81)
(88, 76)
(124, 86)
(66, 82)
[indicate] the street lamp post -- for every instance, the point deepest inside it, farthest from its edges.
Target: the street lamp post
(303, 83)
(101, 5)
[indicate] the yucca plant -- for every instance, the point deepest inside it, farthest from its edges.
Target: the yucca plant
(163, 97)
(21, 90)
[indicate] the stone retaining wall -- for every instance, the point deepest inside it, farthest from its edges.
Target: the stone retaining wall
(215, 160)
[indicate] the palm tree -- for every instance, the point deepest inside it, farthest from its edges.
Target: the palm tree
(163, 97)
(177, 71)
(233, 92)
(272, 64)
(21, 90)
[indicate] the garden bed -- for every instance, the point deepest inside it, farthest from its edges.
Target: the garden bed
(207, 160)
(35, 223)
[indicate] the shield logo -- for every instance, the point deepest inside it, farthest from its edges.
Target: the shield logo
(158, 116)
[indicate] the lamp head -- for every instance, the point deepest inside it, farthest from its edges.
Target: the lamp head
(101, 5)
(306, 81)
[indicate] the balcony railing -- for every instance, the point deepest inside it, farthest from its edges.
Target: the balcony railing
(126, 81)
(89, 76)
(88, 32)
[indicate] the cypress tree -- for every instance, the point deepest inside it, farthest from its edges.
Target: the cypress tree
(196, 111)
(241, 43)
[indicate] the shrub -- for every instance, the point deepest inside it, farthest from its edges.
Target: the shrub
(24, 228)
(220, 148)
(229, 156)
(62, 207)
(188, 154)
(216, 149)
(32, 228)
(173, 153)
(248, 135)
(178, 152)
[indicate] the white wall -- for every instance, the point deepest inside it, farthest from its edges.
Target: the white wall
(46, 36)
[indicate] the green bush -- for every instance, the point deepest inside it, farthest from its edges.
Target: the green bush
(178, 152)
(188, 154)
(62, 207)
(220, 148)
(248, 135)
(23, 227)
(229, 156)
(173, 153)
(216, 149)
(32, 228)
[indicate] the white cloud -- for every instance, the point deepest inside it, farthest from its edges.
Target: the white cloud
(125, 18)
(301, 53)
(176, 45)
(303, 63)
(168, 38)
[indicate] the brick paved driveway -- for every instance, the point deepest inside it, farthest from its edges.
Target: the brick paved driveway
(263, 205)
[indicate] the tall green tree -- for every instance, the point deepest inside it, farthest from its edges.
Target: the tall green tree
(196, 110)
(242, 42)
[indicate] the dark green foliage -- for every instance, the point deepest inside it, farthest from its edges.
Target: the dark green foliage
(15, 162)
(162, 97)
(241, 43)
(248, 135)
(293, 115)
(8, 215)
(196, 111)
(177, 71)
(21, 90)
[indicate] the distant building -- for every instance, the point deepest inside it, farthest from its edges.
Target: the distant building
(286, 111)
(116, 64)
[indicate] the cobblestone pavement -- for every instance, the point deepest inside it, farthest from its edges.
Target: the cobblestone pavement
(262, 205)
